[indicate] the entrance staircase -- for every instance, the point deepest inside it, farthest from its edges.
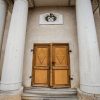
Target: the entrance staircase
(49, 94)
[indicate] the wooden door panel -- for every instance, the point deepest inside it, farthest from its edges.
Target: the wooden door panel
(60, 65)
(41, 77)
(41, 65)
(60, 56)
(61, 78)
(41, 56)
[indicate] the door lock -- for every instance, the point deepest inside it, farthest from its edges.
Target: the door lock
(53, 63)
(71, 78)
(30, 77)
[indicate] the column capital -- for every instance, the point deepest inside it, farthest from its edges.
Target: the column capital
(20, 2)
(2, 1)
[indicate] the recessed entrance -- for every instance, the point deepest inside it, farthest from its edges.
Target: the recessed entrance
(51, 65)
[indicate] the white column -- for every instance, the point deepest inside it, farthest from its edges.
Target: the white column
(89, 58)
(3, 10)
(11, 78)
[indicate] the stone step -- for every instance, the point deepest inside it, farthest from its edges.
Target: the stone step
(50, 91)
(49, 94)
(34, 98)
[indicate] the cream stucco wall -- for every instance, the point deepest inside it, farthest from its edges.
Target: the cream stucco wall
(65, 33)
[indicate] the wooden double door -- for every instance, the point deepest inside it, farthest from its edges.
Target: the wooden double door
(51, 67)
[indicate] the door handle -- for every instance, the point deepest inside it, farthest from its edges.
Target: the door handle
(53, 63)
(71, 78)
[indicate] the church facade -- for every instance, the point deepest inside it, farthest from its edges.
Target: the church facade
(49, 50)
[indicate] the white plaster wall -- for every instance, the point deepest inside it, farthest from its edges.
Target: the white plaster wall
(65, 33)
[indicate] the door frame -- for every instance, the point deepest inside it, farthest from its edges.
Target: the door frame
(33, 61)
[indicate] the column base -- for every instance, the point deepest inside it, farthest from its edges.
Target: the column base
(7, 87)
(90, 89)
(11, 95)
(86, 96)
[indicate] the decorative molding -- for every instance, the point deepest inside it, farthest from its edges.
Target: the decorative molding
(11, 2)
(31, 3)
(51, 19)
(10, 5)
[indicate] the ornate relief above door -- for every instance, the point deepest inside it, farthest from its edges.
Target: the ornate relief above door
(51, 19)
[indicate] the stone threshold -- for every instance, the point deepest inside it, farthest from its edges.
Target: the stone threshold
(40, 93)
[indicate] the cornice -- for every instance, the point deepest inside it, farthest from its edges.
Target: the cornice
(11, 2)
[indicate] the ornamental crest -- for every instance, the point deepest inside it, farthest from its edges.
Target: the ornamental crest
(51, 18)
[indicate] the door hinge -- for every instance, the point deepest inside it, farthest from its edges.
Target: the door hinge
(71, 78)
(70, 50)
(30, 77)
(32, 50)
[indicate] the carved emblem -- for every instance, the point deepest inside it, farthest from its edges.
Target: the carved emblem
(50, 17)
